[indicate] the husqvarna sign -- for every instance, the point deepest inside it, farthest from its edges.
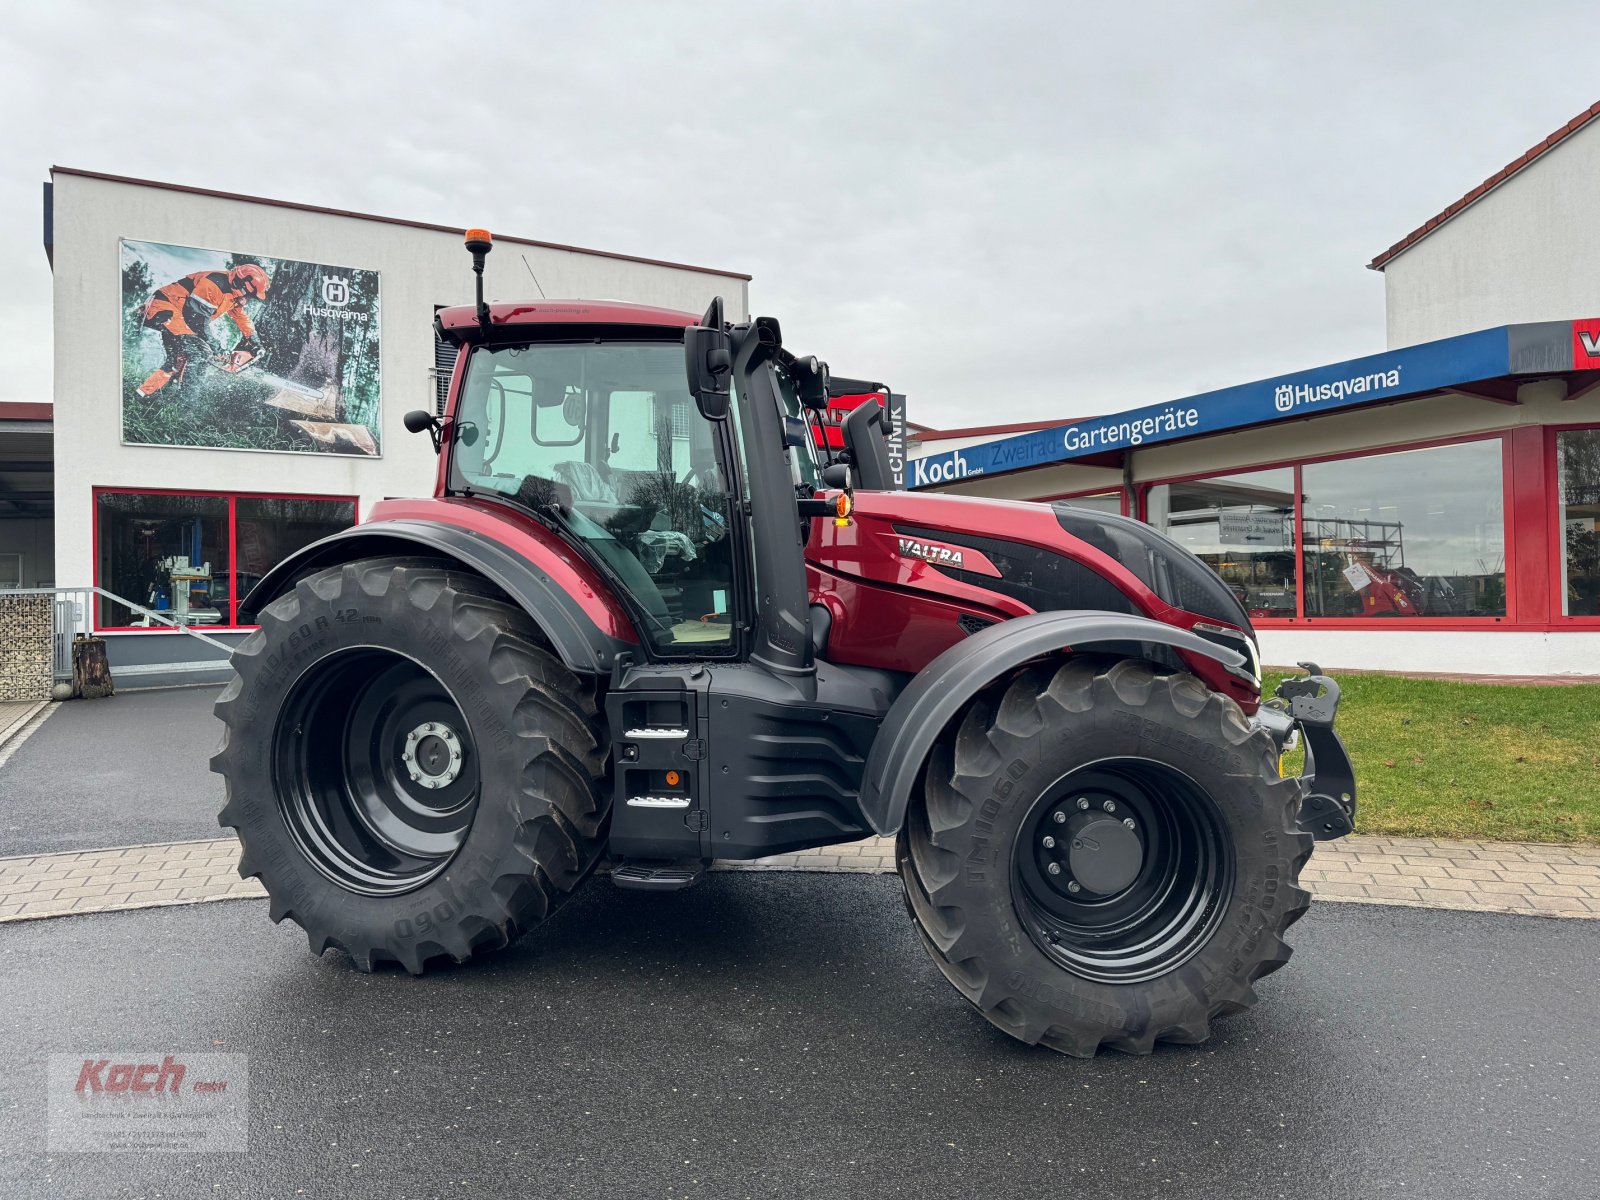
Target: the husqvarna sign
(1451, 362)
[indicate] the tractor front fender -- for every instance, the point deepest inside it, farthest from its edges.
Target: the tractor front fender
(574, 635)
(943, 688)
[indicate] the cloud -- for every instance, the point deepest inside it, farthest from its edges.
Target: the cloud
(1009, 213)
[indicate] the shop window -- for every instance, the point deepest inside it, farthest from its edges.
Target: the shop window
(167, 553)
(270, 529)
(1418, 533)
(1578, 456)
(173, 554)
(1242, 526)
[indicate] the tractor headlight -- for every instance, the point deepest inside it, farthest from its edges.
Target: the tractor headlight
(1235, 639)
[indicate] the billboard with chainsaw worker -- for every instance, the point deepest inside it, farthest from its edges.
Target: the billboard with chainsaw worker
(235, 351)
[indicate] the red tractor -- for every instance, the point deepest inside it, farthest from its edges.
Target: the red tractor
(646, 622)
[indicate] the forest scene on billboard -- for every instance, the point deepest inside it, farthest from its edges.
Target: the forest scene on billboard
(244, 352)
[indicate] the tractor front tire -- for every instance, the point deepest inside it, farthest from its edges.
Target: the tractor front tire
(412, 774)
(1104, 854)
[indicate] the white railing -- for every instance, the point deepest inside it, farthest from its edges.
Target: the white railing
(72, 616)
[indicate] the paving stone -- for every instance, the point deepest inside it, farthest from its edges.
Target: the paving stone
(1383, 891)
(1340, 889)
(1528, 877)
(1431, 883)
(1474, 873)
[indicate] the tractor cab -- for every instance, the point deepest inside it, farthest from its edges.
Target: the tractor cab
(600, 437)
(682, 483)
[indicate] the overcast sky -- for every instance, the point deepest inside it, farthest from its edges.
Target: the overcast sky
(1009, 212)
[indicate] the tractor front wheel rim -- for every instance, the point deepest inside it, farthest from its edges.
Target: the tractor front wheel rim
(1122, 870)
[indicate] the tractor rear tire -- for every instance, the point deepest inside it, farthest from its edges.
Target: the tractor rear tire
(1104, 854)
(412, 774)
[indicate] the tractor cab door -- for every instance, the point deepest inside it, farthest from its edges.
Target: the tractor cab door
(603, 438)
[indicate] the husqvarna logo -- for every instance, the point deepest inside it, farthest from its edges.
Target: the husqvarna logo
(1287, 397)
(939, 556)
(335, 290)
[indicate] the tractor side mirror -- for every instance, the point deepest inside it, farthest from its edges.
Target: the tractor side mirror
(866, 445)
(708, 355)
(419, 419)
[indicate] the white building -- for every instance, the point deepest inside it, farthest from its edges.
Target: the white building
(300, 440)
(1519, 247)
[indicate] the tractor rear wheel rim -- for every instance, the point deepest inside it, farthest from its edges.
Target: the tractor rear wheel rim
(1122, 870)
(376, 772)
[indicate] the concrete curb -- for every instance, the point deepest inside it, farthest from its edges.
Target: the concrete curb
(1508, 877)
(20, 728)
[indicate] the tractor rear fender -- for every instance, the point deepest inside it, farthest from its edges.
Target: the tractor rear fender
(942, 688)
(572, 632)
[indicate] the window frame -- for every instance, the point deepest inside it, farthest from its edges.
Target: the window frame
(1558, 619)
(1514, 616)
(232, 624)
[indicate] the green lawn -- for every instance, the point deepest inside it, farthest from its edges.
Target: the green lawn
(1471, 760)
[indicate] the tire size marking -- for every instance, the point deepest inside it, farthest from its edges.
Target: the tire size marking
(481, 713)
(978, 856)
(474, 880)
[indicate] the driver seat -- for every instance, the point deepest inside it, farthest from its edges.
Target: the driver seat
(587, 484)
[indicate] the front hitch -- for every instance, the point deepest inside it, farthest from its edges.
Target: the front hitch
(1308, 704)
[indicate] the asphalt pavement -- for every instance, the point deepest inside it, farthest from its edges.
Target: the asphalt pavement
(124, 771)
(786, 1035)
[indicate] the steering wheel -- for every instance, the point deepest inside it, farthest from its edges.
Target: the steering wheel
(701, 478)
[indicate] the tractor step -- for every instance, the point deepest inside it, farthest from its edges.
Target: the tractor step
(646, 876)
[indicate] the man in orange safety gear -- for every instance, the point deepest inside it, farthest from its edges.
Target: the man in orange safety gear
(181, 311)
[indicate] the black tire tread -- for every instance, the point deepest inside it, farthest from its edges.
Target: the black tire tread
(561, 809)
(968, 754)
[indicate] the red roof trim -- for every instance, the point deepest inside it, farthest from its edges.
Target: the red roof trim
(1487, 186)
(939, 435)
(361, 216)
(26, 410)
(565, 312)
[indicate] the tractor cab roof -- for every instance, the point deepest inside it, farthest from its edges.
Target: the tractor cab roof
(460, 323)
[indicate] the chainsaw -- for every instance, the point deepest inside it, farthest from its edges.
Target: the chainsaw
(236, 362)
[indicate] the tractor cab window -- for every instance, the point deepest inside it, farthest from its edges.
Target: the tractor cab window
(606, 439)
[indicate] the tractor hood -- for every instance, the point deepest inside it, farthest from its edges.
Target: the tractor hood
(1014, 557)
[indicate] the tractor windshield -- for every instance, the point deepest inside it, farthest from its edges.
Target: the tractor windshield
(605, 437)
